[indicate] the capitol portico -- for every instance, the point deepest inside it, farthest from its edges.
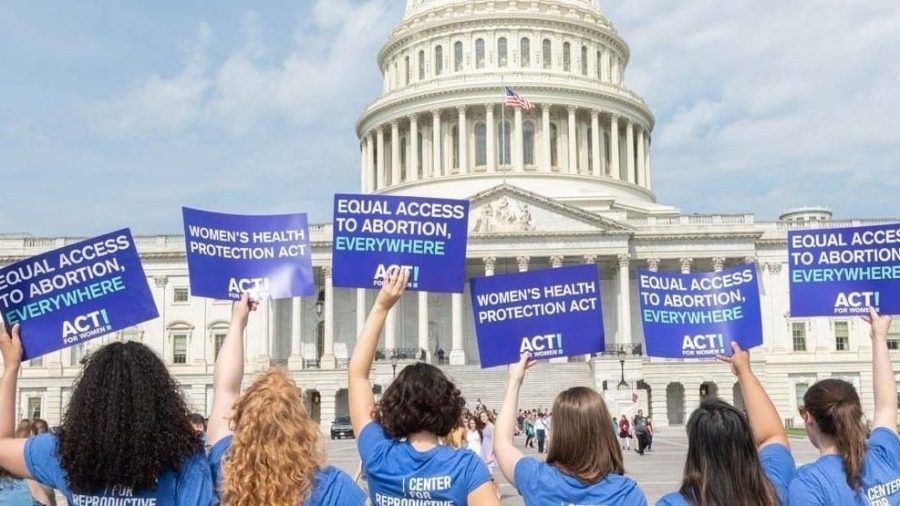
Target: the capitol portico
(567, 182)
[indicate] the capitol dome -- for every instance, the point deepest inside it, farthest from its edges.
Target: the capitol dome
(440, 126)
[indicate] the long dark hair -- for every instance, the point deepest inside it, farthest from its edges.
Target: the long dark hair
(835, 406)
(127, 422)
(723, 466)
(421, 399)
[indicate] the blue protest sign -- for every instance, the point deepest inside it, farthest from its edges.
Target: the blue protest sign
(375, 233)
(844, 271)
(699, 315)
(76, 293)
(548, 313)
(230, 254)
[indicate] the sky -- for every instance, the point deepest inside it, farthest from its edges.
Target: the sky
(117, 113)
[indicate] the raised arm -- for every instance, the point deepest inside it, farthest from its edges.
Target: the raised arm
(229, 372)
(362, 401)
(12, 450)
(765, 422)
(885, 385)
(505, 451)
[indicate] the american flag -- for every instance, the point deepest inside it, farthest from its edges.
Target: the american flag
(513, 99)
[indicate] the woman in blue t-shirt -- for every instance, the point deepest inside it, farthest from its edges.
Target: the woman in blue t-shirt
(265, 447)
(584, 462)
(735, 459)
(125, 434)
(850, 470)
(399, 438)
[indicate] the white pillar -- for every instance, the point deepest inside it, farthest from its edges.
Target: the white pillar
(545, 138)
(604, 66)
(463, 141)
(296, 359)
(264, 310)
(390, 332)
(423, 326)
(641, 171)
(573, 142)
(595, 142)
(519, 144)
(491, 141)
(436, 144)
(615, 170)
(457, 353)
(629, 151)
(361, 310)
(412, 171)
(370, 164)
(624, 331)
(363, 165)
(379, 162)
(395, 152)
(328, 359)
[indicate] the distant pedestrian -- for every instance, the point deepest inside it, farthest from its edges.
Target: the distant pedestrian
(625, 433)
(540, 430)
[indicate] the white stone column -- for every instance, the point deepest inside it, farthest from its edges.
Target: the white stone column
(573, 142)
(423, 326)
(361, 310)
(641, 170)
(522, 262)
(390, 332)
(379, 161)
(458, 352)
(604, 66)
(718, 264)
(686, 265)
(545, 138)
(296, 359)
(412, 171)
(491, 141)
(629, 152)
(556, 261)
(436, 144)
(463, 141)
(647, 168)
(519, 144)
(264, 320)
(615, 170)
(595, 143)
(328, 359)
(370, 164)
(624, 330)
(363, 166)
(395, 152)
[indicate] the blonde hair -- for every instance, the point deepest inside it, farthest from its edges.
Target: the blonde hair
(276, 449)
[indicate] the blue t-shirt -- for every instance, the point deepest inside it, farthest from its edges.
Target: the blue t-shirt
(778, 464)
(397, 471)
(15, 492)
(332, 486)
(825, 482)
(191, 485)
(541, 484)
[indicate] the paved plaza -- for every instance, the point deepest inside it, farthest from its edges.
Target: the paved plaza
(657, 472)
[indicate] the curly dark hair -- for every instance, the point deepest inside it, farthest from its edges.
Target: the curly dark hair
(421, 399)
(127, 422)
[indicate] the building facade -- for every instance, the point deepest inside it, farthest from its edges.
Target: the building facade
(566, 182)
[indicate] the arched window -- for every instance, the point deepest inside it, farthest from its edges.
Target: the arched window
(547, 55)
(504, 148)
(584, 61)
(457, 56)
(554, 149)
(567, 57)
(421, 65)
(480, 144)
(525, 52)
(180, 335)
(455, 140)
(406, 71)
(438, 60)
(479, 53)
(501, 52)
(528, 143)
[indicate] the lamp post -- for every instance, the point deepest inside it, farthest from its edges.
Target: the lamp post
(621, 355)
(394, 364)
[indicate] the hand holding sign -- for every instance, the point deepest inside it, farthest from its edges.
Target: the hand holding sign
(240, 310)
(11, 347)
(881, 325)
(739, 360)
(392, 289)
(517, 370)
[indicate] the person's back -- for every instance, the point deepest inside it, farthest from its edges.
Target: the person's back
(14, 492)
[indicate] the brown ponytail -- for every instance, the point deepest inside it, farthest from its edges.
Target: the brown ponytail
(835, 406)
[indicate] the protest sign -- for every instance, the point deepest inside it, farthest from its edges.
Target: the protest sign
(376, 233)
(698, 315)
(548, 313)
(844, 271)
(267, 256)
(76, 293)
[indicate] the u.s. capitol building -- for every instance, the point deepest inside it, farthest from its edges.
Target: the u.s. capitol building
(567, 182)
